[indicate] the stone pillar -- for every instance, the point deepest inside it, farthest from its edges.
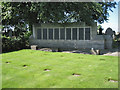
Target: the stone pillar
(94, 30)
(34, 36)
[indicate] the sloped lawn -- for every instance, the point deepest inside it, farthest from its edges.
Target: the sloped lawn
(39, 69)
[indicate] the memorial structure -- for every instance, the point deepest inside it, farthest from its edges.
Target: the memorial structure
(69, 36)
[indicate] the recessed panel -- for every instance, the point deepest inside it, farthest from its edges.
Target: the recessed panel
(62, 33)
(81, 33)
(68, 33)
(50, 30)
(39, 34)
(74, 33)
(44, 33)
(56, 33)
(87, 33)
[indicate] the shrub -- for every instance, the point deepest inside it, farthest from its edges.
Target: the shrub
(15, 43)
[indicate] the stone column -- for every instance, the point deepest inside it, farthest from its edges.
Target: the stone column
(94, 30)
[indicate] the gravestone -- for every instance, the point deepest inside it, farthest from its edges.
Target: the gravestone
(109, 31)
(108, 38)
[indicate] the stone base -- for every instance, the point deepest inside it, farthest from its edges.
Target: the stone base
(34, 47)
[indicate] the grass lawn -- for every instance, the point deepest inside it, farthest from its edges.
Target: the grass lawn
(40, 69)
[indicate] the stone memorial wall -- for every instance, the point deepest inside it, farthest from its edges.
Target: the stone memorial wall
(69, 36)
(63, 33)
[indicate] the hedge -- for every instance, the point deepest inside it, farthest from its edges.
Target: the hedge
(15, 43)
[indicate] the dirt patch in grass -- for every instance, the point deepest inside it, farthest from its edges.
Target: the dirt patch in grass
(112, 80)
(45, 54)
(8, 62)
(102, 59)
(75, 74)
(46, 69)
(24, 65)
(61, 56)
(80, 57)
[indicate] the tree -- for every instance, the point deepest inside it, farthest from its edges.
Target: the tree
(20, 14)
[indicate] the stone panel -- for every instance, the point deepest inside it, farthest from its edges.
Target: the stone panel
(81, 33)
(68, 33)
(56, 33)
(39, 34)
(44, 33)
(62, 33)
(87, 33)
(50, 33)
(74, 33)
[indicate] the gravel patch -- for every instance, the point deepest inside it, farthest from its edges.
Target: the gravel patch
(108, 52)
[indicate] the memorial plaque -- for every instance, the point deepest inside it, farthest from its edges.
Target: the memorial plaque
(50, 33)
(68, 33)
(44, 33)
(39, 34)
(56, 33)
(74, 33)
(87, 33)
(62, 33)
(81, 33)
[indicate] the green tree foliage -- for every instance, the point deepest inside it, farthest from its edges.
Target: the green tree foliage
(22, 13)
(15, 43)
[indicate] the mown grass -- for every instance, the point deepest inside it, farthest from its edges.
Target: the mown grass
(94, 70)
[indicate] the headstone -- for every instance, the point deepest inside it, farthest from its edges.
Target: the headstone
(109, 31)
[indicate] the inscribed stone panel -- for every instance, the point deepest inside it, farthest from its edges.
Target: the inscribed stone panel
(68, 33)
(39, 34)
(81, 33)
(74, 33)
(87, 33)
(56, 33)
(50, 30)
(44, 33)
(62, 33)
